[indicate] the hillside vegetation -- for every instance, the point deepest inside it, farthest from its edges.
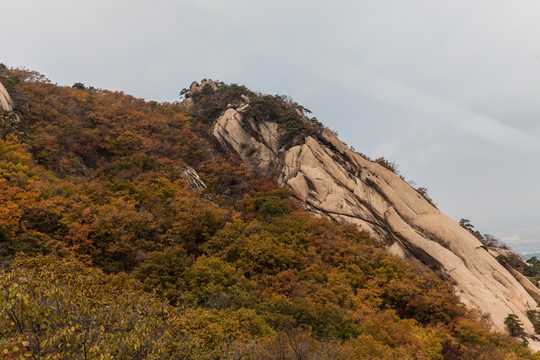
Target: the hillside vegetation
(108, 253)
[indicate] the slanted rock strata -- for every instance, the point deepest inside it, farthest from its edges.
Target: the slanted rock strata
(331, 180)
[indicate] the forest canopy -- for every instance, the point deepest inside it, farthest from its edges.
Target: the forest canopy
(107, 251)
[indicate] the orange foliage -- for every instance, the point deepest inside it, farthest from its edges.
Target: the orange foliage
(99, 177)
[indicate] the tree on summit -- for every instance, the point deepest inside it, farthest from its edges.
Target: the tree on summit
(466, 224)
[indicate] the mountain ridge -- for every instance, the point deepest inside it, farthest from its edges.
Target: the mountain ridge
(332, 180)
(141, 198)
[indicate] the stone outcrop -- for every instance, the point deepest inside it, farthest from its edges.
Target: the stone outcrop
(334, 181)
(195, 89)
(6, 104)
(193, 179)
(9, 119)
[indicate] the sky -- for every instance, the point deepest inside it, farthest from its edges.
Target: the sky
(448, 90)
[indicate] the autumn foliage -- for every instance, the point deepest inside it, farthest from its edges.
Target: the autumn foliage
(108, 253)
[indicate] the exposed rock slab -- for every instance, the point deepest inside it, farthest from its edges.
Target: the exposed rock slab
(336, 182)
(6, 104)
(193, 179)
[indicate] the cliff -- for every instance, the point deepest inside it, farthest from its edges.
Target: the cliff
(332, 180)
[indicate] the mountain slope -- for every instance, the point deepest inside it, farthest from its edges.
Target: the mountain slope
(95, 183)
(333, 181)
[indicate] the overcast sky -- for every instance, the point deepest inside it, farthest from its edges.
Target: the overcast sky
(449, 90)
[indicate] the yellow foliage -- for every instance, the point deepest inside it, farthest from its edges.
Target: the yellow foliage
(250, 274)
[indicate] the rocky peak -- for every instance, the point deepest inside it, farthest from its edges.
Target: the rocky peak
(332, 180)
(205, 86)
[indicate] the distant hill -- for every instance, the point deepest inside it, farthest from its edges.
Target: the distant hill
(527, 256)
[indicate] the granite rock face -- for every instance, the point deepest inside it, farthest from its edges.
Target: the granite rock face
(9, 119)
(332, 180)
(6, 104)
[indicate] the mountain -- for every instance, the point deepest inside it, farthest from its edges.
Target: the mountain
(230, 225)
(332, 180)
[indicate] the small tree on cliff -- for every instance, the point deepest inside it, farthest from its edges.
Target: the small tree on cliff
(466, 224)
(515, 327)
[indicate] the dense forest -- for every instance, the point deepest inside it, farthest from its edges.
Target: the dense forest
(107, 251)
